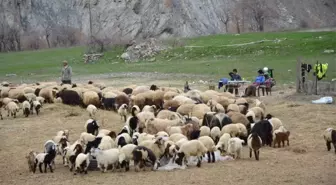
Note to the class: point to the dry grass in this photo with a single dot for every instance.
(306, 161)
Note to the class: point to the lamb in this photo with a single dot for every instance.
(37, 106)
(26, 108)
(254, 143)
(122, 111)
(43, 158)
(50, 147)
(82, 163)
(123, 139)
(31, 161)
(61, 148)
(92, 110)
(235, 147)
(215, 134)
(329, 136)
(106, 157)
(144, 156)
(210, 145)
(133, 123)
(191, 148)
(223, 142)
(281, 137)
(91, 126)
(72, 154)
(126, 155)
(12, 109)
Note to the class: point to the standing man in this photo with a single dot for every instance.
(66, 73)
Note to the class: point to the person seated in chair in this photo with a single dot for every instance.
(234, 75)
(260, 79)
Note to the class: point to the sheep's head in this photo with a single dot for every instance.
(159, 141)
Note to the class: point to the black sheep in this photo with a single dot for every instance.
(92, 127)
(108, 103)
(70, 97)
(264, 129)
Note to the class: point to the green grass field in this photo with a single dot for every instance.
(211, 57)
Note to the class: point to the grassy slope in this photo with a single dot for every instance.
(211, 59)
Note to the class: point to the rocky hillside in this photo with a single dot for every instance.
(69, 20)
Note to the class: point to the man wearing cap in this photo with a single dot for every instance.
(66, 73)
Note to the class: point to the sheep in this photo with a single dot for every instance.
(138, 138)
(30, 97)
(140, 89)
(199, 110)
(128, 91)
(91, 97)
(126, 155)
(180, 142)
(87, 137)
(280, 129)
(135, 109)
(183, 100)
(176, 137)
(171, 105)
(108, 103)
(205, 131)
(148, 108)
(185, 129)
(122, 111)
(123, 139)
(213, 119)
(281, 137)
(191, 148)
(156, 146)
(121, 99)
(17, 93)
(167, 114)
(37, 106)
(232, 108)
(50, 147)
(223, 142)
(63, 133)
(185, 109)
(215, 106)
(72, 153)
(62, 145)
(143, 117)
(210, 145)
(132, 124)
(48, 94)
(106, 158)
(92, 110)
(169, 95)
(250, 115)
(26, 108)
(215, 134)
(329, 136)
(106, 132)
(237, 117)
(276, 123)
(155, 125)
(260, 104)
(264, 129)
(254, 143)
(43, 158)
(231, 129)
(69, 97)
(235, 146)
(91, 126)
(12, 108)
(162, 134)
(31, 161)
(144, 156)
(259, 113)
(82, 163)
(107, 143)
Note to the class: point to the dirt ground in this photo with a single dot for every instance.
(306, 161)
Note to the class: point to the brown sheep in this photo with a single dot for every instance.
(238, 117)
(281, 137)
(121, 99)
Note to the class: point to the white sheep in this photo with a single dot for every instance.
(122, 111)
(205, 131)
(176, 137)
(149, 108)
(107, 143)
(12, 109)
(191, 148)
(276, 123)
(233, 108)
(142, 137)
(37, 106)
(30, 97)
(223, 143)
(40, 99)
(235, 147)
(210, 145)
(82, 163)
(106, 157)
(156, 125)
(86, 137)
(162, 134)
(156, 146)
(180, 142)
(135, 109)
(92, 110)
(105, 132)
(215, 134)
(126, 155)
(42, 158)
(231, 129)
(26, 108)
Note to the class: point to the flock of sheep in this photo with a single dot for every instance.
(160, 123)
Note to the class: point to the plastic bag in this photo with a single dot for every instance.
(323, 100)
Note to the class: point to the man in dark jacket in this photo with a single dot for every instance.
(234, 75)
(66, 73)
